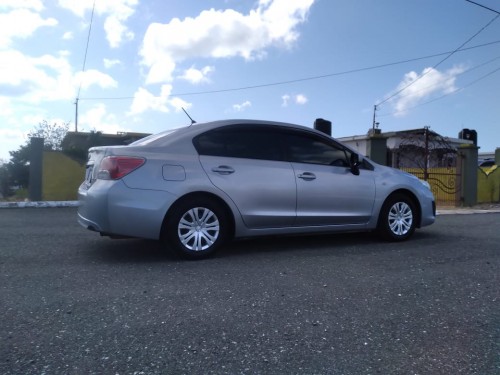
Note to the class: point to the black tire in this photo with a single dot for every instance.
(397, 220)
(196, 228)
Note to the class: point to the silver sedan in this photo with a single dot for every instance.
(196, 187)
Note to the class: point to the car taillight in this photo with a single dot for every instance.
(116, 167)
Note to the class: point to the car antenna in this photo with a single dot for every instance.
(187, 114)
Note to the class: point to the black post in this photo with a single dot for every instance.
(36, 162)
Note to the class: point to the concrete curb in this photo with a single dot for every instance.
(51, 204)
(45, 204)
(466, 211)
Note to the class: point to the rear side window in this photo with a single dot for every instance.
(241, 141)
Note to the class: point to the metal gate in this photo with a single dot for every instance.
(446, 183)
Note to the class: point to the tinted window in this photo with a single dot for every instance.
(305, 148)
(241, 141)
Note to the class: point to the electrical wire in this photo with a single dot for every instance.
(303, 79)
(436, 65)
(86, 50)
(457, 75)
(447, 94)
(485, 7)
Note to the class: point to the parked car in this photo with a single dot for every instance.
(486, 163)
(196, 187)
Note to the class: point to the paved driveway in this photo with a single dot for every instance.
(72, 302)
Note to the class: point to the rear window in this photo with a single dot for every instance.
(150, 139)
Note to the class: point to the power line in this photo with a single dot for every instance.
(436, 65)
(450, 93)
(376, 106)
(83, 67)
(485, 7)
(358, 70)
(457, 75)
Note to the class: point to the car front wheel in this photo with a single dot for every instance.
(397, 218)
(196, 228)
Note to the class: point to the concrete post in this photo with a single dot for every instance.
(36, 161)
(376, 148)
(469, 155)
(497, 156)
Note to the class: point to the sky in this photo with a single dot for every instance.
(132, 65)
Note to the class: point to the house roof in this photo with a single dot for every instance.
(402, 133)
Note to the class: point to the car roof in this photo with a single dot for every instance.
(172, 135)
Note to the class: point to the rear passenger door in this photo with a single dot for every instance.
(247, 163)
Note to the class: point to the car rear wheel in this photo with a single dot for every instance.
(196, 228)
(397, 218)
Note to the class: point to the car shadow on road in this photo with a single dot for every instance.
(145, 251)
(308, 245)
(130, 251)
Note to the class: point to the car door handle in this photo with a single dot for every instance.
(223, 169)
(308, 176)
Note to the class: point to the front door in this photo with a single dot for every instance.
(328, 193)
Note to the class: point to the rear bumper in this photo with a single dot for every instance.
(110, 207)
(90, 225)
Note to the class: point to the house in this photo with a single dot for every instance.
(413, 148)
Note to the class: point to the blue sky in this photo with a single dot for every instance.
(284, 60)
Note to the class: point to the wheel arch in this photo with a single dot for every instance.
(201, 195)
(412, 197)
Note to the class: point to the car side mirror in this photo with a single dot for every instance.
(354, 164)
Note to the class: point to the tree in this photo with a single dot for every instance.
(53, 134)
(424, 149)
(18, 168)
(5, 189)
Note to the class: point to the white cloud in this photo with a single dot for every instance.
(33, 78)
(20, 23)
(285, 99)
(116, 13)
(428, 84)
(108, 63)
(241, 107)
(221, 34)
(95, 78)
(97, 118)
(6, 106)
(24, 4)
(11, 134)
(116, 31)
(146, 101)
(196, 76)
(68, 35)
(299, 99)
(47, 77)
(178, 103)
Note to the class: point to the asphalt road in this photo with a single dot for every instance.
(72, 302)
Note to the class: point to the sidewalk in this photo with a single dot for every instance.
(484, 208)
(39, 204)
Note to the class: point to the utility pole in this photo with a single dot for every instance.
(374, 123)
(76, 115)
(426, 166)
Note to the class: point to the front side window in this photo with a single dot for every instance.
(306, 148)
